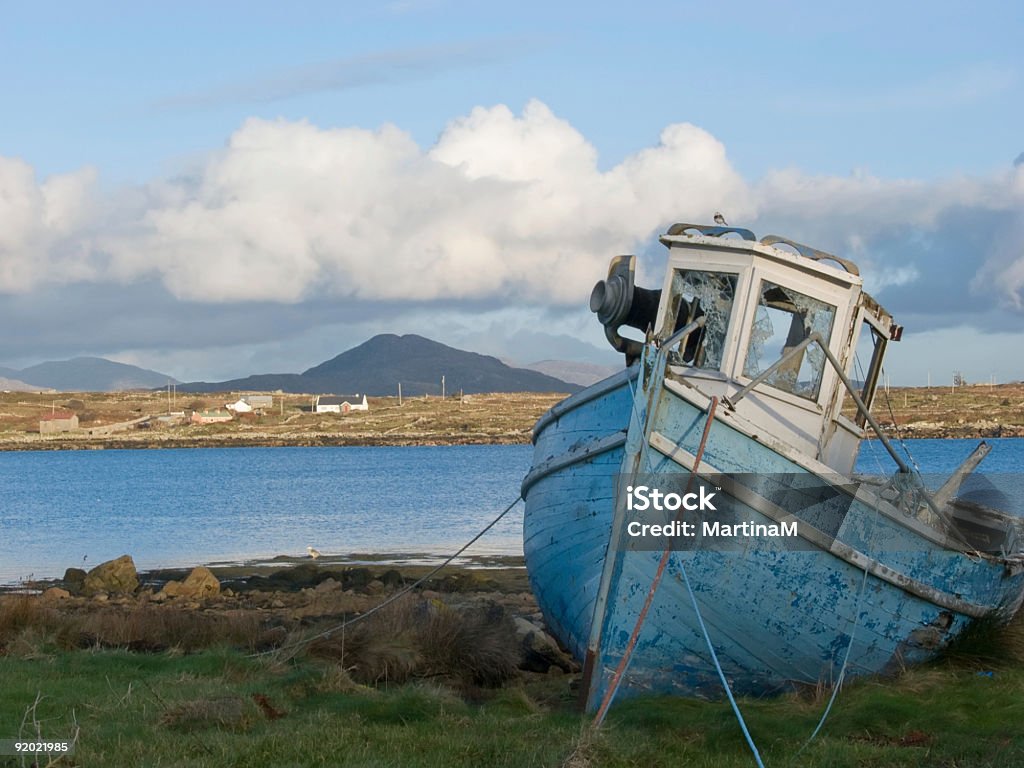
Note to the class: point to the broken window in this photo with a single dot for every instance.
(697, 294)
(869, 352)
(784, 318)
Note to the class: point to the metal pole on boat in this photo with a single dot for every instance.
(904, 467)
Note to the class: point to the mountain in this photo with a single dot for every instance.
(377, 366)
(573, 371)
(92, 374)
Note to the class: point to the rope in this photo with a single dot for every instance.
(400, 593)
(627, 655)
(721, 673)
(846, 660)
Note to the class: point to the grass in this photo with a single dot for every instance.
(422, 684)
(221, 708)
(455, 701)
(468, 649)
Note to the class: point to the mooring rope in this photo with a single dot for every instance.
(400, 593)
(721, 672)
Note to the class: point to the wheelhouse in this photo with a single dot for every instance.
(768, 310)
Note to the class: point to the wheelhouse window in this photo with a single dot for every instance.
(867, 365)
(785, 318)
(694, 294)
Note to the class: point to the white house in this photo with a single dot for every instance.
(239, 406)
(341, 403)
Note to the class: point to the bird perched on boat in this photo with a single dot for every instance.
(720, 220)
(315, 554)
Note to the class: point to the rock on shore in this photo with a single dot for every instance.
(112, 577)
(200, 583)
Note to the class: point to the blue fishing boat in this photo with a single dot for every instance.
(747, 387)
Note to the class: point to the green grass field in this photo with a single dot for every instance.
(222, 708)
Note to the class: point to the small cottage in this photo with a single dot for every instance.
(341, 403)
(210, 417)
(58, 421)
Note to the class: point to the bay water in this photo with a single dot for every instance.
(183, 507)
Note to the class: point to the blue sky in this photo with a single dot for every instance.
(129, 133)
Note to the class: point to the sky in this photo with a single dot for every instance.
(214, 190)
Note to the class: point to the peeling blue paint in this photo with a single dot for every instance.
(778, 619)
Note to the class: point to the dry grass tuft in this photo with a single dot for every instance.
(226, 712)
(151, 629)
(337, 680)
(27, 625)
(426, 639)
(19, 612)
(989, 641)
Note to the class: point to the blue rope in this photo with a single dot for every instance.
(842, 670)
(721, 674)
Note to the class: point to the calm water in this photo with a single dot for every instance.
(182, 507)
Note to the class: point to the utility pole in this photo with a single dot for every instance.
(399, 393)
(442, 386)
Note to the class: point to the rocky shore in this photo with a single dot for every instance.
(252, 440)
(269, 607)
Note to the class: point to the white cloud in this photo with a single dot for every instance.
(39, 225)
(504, 208)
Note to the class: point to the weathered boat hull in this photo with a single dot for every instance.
(569, 497)
(865, 586)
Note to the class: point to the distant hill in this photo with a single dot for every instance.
(574, 372)
(90, 374)
(17, 385)
(377, 366)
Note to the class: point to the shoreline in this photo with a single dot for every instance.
(960, 432)
(249, 574)
(247, 441)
